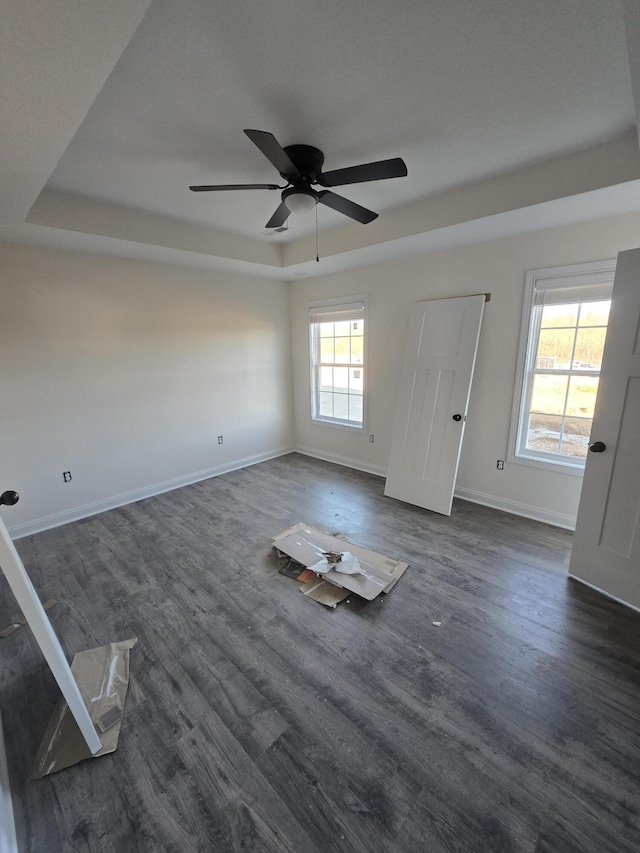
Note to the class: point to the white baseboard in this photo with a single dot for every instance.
(604, 592)
(86, 510)
(345, 461)
(8, 840)
(536, 513)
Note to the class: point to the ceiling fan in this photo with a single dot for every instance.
(301, 168)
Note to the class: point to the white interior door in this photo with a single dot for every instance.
(606, 549)
(432, 406)
(38, 621)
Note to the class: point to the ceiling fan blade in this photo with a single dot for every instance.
(273, 151)
(349, 208)
(207, 188)
(378, 171)
(279, 217)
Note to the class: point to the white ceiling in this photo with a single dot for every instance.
(465, 92)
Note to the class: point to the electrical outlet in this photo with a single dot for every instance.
(66, 475)
(371, 438)
(220, 439)
(500, 464)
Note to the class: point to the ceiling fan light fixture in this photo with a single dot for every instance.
(300, 201)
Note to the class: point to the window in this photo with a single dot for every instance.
(562, 341)
(337, 339)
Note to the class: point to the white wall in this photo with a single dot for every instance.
(497, 267)
(125, 373)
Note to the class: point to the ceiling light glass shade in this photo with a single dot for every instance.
(300, 202)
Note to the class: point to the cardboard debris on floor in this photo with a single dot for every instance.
(332, 568)
(20, 623)
(325, 593)
(290, 569)
(102, 676)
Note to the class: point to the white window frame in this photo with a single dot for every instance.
(577, 275)
(338, 301)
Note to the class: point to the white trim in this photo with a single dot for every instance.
(338, 300)
(556, 519)
(573, 274)
(546, 464)
(346, 311)
(345, 461)
(8, 840)
(604, 592)
(337, 424)
(86, 510)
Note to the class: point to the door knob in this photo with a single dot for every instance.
(597, 447)
(9, 498)
(457, 417)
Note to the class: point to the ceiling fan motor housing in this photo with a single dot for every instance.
(300, 197)
(307, 160)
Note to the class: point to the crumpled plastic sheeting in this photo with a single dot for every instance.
(102, 676)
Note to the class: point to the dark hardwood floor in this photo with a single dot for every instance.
(259, 720)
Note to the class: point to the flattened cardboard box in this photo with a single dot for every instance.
(306, 545)
(324, 592)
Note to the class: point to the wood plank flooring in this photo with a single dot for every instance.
(258, 720)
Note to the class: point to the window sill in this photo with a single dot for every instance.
(337, 424)
(552, 466)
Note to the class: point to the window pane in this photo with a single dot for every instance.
(357, 350)
(356, 380)
(341, 406)
(544, 433)
(355, 408)
(357, 327)
(595, 313)
(326, 350)
(343, 328)
(326, 330)
(559, 315)
(562, 357)
(582, 395)
(549, 394)
(343, 350)
(326, 379)
(326, 404)
(589, 348)
(341, 379)
(556, 344)
(575, 437)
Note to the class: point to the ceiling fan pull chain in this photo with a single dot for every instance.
(317, 255)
